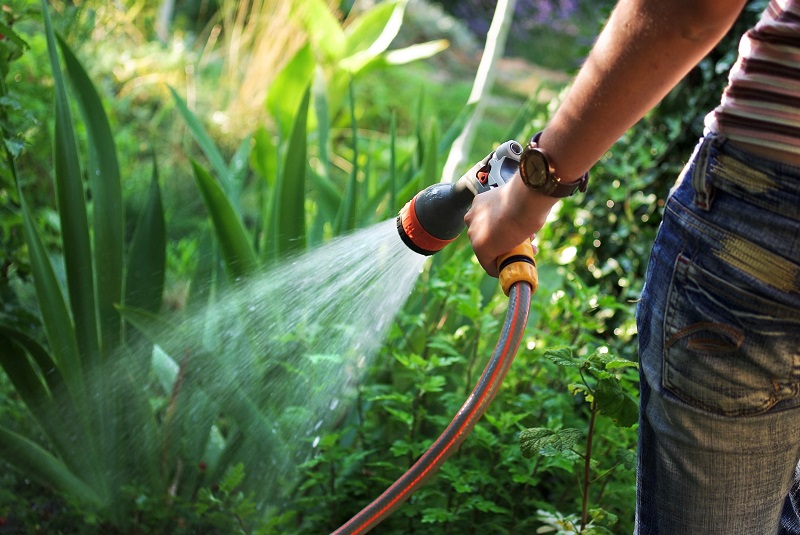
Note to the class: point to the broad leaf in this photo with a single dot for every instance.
(548, 442)
(562, 356)
(615, 403)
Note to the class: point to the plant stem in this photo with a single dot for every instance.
(587, 467)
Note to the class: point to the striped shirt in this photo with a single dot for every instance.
(761, 104)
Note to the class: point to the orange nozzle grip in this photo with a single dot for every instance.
(518, 265)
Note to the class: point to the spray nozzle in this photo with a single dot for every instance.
(435, 216)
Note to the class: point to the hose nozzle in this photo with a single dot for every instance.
(435, 216)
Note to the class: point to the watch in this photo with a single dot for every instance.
(538, 174)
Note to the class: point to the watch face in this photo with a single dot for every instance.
(535, 168)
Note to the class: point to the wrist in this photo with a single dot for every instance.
(538, 172)
(529, 208)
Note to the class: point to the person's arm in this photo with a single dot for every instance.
(645, 49)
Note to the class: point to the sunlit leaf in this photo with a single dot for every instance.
(415, 52)
(372, 33)
(323, 29)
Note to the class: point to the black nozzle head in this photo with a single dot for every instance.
(434, 217)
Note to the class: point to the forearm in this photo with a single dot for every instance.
(641, 54)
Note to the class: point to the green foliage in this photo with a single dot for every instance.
(83, 318)
(430, 363)
(57, 378)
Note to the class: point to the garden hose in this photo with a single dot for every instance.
(519, 299)
(426, 225)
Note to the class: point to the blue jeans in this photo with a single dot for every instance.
(719, 347)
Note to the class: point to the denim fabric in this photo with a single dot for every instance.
(719, 347)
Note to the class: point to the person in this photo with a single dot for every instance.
(719, 316)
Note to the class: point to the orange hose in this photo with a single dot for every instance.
(464, 421)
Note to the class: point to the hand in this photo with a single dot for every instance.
(504, 217)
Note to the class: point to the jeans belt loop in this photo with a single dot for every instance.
(700, 180)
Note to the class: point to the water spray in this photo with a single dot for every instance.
(433, 218)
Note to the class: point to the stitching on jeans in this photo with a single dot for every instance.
(735, 337)
(759, 263)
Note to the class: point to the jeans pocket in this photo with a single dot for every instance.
(727, 349)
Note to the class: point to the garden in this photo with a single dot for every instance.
(208, 322)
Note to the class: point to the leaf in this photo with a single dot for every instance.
(72, 211)
(147, 258)
(206, 144)
(290, 224)
(156, 329)
(401, 56)
(288, 90)
(107, 207)
(14, 361)
(34, 460)
(548, 442)
(415, 52)
(322, 27)
(618, 363)
(55, 315)
(345, 219)
(627, 458)
(562, 356)
(596, 530)
(371, 34)
(264, 158)
(615, 403)
(234, 242)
